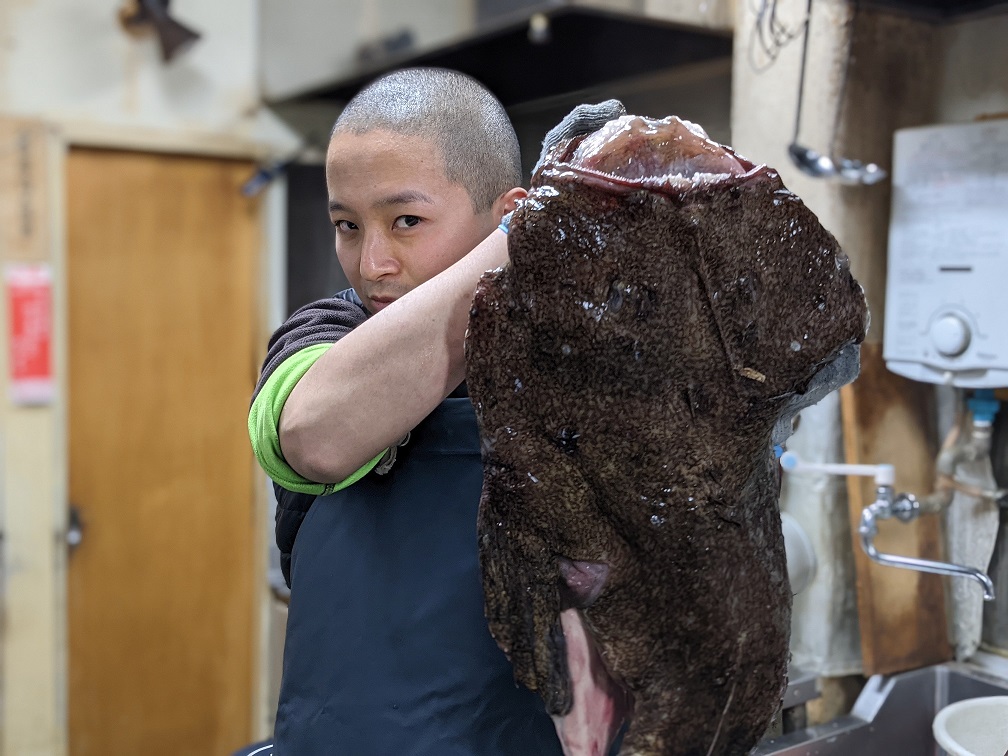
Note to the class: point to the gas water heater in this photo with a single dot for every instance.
(946, 315)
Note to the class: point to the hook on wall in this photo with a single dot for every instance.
(144, 15)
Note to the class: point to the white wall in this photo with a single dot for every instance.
(71, 62)
(905, 73)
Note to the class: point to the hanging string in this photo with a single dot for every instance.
(769, 35)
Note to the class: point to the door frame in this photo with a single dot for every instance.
(34, 470)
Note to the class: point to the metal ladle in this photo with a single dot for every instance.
(826, 166)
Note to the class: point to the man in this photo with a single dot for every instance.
(361, 404)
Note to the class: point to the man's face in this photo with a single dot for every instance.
(399, 220)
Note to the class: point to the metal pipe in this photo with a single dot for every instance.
(995, 616)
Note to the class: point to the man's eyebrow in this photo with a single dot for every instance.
(406, 197)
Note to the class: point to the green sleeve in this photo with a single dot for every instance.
(264, 423)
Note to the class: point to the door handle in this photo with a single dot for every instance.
(75, 528)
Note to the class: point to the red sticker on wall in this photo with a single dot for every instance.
(29, 323)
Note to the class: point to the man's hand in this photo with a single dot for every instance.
(584, 119)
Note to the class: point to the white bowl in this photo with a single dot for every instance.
(974, 727)
(801, 558)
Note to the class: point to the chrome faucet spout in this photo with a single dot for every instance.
(926, 565)
(905, 508)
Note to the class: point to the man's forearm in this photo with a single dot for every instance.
(379, 381)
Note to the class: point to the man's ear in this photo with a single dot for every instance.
(508, 202)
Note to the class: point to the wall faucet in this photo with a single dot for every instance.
(904, 507)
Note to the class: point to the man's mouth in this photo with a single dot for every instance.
(379, 303)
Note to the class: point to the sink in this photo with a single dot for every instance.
(893, 714)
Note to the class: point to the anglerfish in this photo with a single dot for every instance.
(668, 308)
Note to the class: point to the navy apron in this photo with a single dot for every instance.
(387, 649)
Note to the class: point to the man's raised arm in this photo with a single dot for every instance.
(381, 379)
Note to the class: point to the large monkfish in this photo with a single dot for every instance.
(668, 309)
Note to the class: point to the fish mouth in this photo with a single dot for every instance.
(667, 155)
(600, 703)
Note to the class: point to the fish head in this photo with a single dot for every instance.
(766, 292)
(635, 152)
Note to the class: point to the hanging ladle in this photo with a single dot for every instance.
(826, 166)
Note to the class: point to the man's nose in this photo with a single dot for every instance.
(377, 258)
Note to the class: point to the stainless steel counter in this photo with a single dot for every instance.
(893, 714)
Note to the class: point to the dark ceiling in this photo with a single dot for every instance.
(939, 9)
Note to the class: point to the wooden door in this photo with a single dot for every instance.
(162, 254)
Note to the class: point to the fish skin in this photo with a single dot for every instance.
(627, 370)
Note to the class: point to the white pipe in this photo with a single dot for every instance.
(884, 475)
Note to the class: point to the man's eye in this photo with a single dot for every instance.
(345, 225)
(406, 221)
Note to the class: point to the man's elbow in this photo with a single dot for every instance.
(311, 455)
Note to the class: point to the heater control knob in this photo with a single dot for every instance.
(950, 335)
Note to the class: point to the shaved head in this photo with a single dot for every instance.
(455, 113)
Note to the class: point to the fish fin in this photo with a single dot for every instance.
(522, 606)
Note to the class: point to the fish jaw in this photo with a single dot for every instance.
(631, 153)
